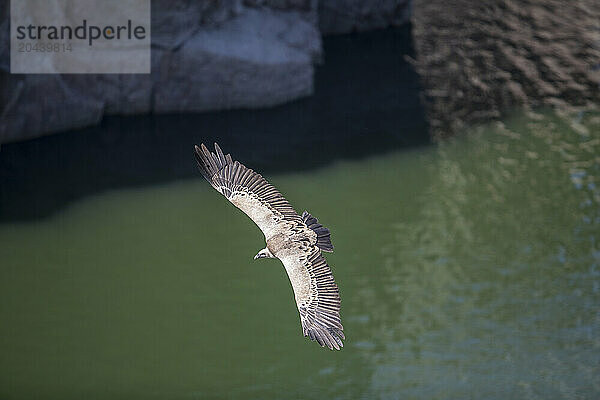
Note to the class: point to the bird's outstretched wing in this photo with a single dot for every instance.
(317, 295)
(247, 190)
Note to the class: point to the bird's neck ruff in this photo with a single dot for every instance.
(264, 253)
(267, 252)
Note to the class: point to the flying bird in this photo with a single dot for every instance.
(296, 240)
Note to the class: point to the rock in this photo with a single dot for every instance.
(4, 36)
(205, 56)
(174, 21)
(39, 104)
(259, 58)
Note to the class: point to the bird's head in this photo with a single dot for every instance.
(264, 253)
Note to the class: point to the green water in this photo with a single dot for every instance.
(467, 270)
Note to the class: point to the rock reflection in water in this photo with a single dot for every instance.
(494, 288)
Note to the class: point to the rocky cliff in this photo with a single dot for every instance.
(477, 60)
(206, 55)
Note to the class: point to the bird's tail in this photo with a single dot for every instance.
(323, 234)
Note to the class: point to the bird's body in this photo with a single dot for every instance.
(295, 240)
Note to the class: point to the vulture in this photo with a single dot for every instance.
(296, 240)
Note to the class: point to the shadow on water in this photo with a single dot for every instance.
(366, 102)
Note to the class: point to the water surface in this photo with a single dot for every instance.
(470, 269)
